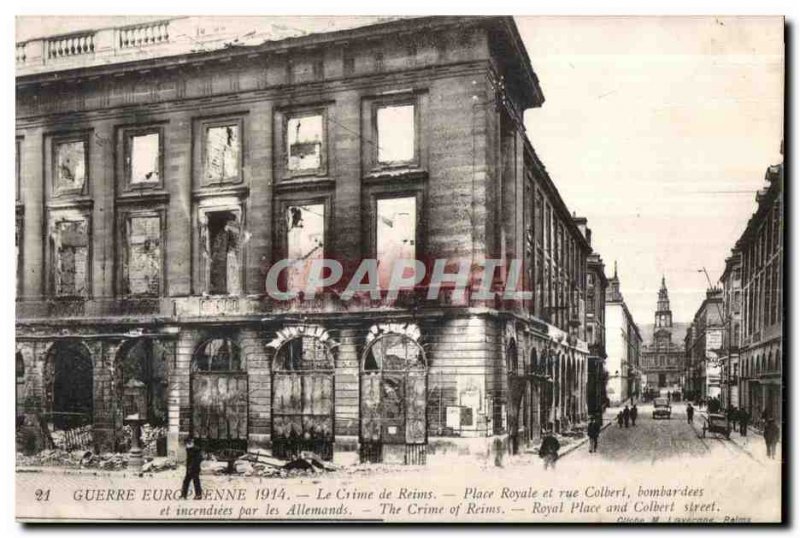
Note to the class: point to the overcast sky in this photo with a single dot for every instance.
(659, 130)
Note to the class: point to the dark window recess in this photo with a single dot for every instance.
(223, 239)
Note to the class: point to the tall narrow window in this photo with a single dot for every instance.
(305, 241)
(396, 134)
(144, 159)
(144, 256)
(71, 253)
(222, 244)
(70, 172)
(223, 153)
(396, 234)
(304, 143)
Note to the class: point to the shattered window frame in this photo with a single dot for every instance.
(125, 240)
(128, 146)
(384, 104)
(418, 221)
(56, 222)
(286, 161)
(58, 187)
(235, 176)
(235, 281)
(283, 228)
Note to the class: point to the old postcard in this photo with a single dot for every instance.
(400, 269)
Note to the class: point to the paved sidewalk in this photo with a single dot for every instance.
(753, 443)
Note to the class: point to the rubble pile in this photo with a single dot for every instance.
(86, 459)
(260, 463)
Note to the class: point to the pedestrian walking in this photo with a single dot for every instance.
(634, 414)
(619, 419)
(771, 437)
(733, 414)
(626, 415)
(194, 456)
(689, 413)
(594, 432)
(744, 419)
(549, 450)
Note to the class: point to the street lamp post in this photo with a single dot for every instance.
(727, 320)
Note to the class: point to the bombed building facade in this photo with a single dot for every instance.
(156, 189)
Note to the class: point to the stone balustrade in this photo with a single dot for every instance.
(70, 45)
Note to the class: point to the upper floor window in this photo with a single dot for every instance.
(143, 254)
(70, 170)
(70, 255)
(305, 241)
(305, 143)
(395, 234)
(221, 240)
(396, 133)
(143, 158)
(222, 148)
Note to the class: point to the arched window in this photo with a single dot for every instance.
(71, 386)
(393, 398)
(302, 398)
(217, 355)
(219, 395)
(143, 381)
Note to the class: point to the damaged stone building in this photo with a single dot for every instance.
(160, 177)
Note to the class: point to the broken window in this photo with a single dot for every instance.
(70, 169)
(222, 246)
(304, 143)
(71, 258)
(396, 234)
(144, 255)
(305, 241)
(144, 158)
(396, 133)
(223, 150)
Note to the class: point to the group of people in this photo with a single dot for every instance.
(627, 416)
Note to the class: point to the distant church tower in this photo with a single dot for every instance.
(663, 321)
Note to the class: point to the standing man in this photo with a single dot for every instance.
(634, 414)
(194, 456)
(689, 413)
(626, 415)
(549, 450)
(744, 419)
(771, 437)
(594, 432)
(732, 414)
